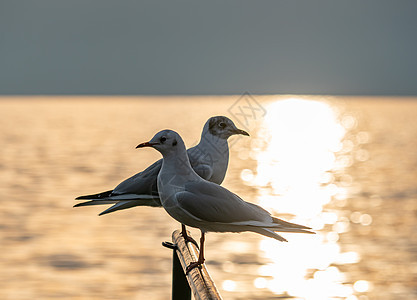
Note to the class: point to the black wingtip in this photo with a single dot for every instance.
(103, 213)
(83, 204)
(95, 196)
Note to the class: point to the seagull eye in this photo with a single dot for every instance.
(163, 139)
(222, 125)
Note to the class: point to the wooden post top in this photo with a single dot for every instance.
(201, 284)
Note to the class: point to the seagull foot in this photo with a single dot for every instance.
(189, 239)
(193, 265)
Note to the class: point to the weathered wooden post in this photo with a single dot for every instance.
(180, 288)
(197, 281)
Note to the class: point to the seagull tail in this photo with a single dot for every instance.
(288, 224)
(270, 233)
(294, 230)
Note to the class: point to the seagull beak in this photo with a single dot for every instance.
(240, 131)
(146, 144)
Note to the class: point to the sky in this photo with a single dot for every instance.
(192, 47)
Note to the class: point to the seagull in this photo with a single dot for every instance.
(198, 203)
(209, 159)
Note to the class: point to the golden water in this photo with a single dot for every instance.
(345, 166)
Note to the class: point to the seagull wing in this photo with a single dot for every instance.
(120, 205)
(204, 171)
(143, 183)
(212, 203)
(141, 186)
(138, 190)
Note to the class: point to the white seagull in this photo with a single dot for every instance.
(209, 160)
(196, 202)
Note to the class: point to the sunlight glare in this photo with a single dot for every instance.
(304, 142)
(229, 285)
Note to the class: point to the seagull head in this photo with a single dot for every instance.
(222, 127)
(165, 141)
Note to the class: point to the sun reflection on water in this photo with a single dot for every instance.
(298, 156)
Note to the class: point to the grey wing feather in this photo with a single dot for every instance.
(197, 157)
(204, 171)
(143, 183)
(213, 203)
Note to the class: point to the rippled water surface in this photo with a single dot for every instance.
(344, 166)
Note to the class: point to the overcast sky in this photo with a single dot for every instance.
(208, 47)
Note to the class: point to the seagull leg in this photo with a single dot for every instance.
(201, 259)
(186, 237)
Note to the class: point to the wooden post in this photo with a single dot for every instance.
(199, 280)
(180, 288)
